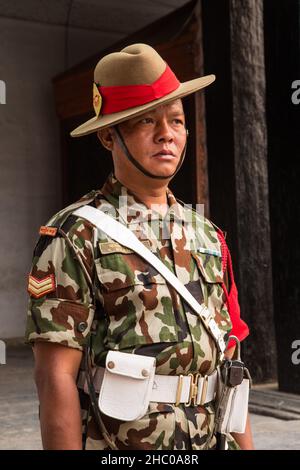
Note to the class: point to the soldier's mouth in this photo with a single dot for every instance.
(164, 155)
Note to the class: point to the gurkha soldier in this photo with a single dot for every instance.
(92, 296)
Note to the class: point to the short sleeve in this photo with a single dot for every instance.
(239, 327)
(60, 306)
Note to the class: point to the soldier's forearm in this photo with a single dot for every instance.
(245, 440)
(60, 416)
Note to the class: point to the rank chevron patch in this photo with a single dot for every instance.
(39, 287)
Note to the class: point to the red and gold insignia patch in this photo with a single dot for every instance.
(39, 287)
(97, 100)
(51, 231)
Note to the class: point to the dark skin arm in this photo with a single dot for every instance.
(56, 369)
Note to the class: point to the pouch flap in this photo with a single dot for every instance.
(129, 365)
(127, 385)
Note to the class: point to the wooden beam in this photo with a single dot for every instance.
(252, 203)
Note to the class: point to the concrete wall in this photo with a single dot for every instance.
(30, 178)
(33, 51)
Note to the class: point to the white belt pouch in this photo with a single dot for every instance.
(237, 410)
(127, 385)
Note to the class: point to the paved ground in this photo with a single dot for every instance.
(18, 402)
(19, 411)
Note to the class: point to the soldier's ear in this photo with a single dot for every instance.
(106, 138)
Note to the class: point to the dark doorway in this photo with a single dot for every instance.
(282, 52)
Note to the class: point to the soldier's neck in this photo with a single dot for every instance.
(150, 194)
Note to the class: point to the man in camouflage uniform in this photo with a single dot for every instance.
(88, 291)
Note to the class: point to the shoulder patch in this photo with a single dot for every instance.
(39, 287)
(51, 231)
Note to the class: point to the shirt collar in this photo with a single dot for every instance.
(132, 209)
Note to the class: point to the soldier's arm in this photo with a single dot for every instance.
(245, 440)
(60, 314)
(56, 369)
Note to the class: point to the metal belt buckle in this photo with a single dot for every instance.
(179, 389)
(204, 390)
(193, 390)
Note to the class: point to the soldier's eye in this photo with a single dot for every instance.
(146, 121)
(178, 121)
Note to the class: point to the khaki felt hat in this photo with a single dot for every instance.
(129, 83)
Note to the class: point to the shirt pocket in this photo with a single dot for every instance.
(136, 300)
(209, 266)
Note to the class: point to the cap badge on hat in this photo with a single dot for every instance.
(97, 99)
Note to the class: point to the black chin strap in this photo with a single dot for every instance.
(138, 165)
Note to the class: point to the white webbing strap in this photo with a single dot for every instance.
(165, 387)
(125, 237)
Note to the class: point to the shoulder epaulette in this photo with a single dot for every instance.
(56, 222)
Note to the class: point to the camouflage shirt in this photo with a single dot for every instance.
(128, 306)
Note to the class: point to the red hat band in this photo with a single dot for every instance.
(119, 98)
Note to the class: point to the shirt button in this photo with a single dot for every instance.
(145, 373)
(82, 326)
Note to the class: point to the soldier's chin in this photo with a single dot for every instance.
(166, 169)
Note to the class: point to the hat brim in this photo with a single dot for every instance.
(102, 121)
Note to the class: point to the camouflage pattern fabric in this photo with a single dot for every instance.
(130, 307)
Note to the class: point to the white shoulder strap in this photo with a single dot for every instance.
(125, 237)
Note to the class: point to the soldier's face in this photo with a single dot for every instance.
(156, 140)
